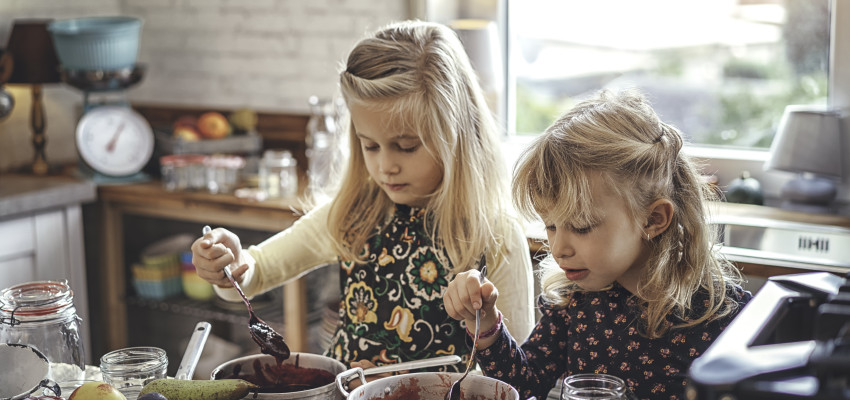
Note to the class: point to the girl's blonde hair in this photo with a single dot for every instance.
(618, 137)
(419, 75)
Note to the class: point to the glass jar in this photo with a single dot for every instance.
(223, 172)
(593, 387)
(42, 314)
(183, 172)
(322, 144)
(278, 174)
(130, 369)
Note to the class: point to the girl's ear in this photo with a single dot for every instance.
(659, 219)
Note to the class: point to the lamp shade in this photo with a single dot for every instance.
(33, 54)
(808, 140)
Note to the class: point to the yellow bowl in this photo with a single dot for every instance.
(196, 287)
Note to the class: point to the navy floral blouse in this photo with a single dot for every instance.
(597, 333)
(392, 306)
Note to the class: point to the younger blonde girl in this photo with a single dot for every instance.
(633, 287)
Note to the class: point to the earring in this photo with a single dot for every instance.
(647, 236)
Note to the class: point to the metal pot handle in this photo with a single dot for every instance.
(51, 385)
(342, 379)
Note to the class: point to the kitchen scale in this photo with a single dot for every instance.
(114, 142)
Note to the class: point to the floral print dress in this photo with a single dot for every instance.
(597, 333)
(392, 307)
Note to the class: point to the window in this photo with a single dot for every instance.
(721, 71)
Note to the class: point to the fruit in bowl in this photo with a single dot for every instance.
(187, 133)
(213, 125)
(186, 128)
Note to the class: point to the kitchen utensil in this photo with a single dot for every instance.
(354, 373)
(23, 370)
(454, 390)
(430, 386)
(270, 342)
(96, 43)
(263, 366)
(416, 364)
(193, 351)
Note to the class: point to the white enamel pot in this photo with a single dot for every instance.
(247, 366)
(424, 386)
(24, 370)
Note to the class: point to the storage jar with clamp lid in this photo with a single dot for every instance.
(42, 314)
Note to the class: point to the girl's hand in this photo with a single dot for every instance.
(365, 364)
(465, 295)
(215, 250)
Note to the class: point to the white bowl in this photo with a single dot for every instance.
(24, 371)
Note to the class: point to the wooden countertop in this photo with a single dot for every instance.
(196, 206)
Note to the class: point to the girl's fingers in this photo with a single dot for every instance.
(473, 293)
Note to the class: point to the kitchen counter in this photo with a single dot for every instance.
(20, 194)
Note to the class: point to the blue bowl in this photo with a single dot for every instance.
(96, 43)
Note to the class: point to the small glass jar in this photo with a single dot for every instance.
(183, 172)
(42, 314)
(130, 369)
(593, 387)
(278, 174)
(223, 172)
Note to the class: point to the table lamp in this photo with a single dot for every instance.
(808, 143)
(35, 63)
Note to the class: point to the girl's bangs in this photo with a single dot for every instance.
(566, 199)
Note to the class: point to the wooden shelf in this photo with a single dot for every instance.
(117, 202)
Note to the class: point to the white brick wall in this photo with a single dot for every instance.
(270, 55)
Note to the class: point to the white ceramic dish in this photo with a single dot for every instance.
(24, 371)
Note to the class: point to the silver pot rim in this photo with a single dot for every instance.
(309, 357)
(446, 377)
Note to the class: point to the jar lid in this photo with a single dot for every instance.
(35, 299)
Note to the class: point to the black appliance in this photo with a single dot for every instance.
(792, 341)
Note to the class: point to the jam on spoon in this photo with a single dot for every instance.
(270, 342)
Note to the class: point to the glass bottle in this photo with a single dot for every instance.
(278, 174)
(321, 143)
(42, 314)
(593, 386)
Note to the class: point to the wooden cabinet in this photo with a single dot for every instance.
(41, 235)
(117, 211)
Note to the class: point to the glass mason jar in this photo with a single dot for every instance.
(278, 174)
(130, 369)
(42, 314)
(322, 143)
(593, 387)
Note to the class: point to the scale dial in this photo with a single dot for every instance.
(114, 140)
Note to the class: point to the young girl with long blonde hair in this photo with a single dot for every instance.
(424, 197)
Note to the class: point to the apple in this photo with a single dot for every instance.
(185, 120)
(96, 391)
(213, 125)
(187, 133)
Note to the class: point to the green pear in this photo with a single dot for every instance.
(96, 391)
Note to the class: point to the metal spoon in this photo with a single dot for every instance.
(454, 390)
(270, 342)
